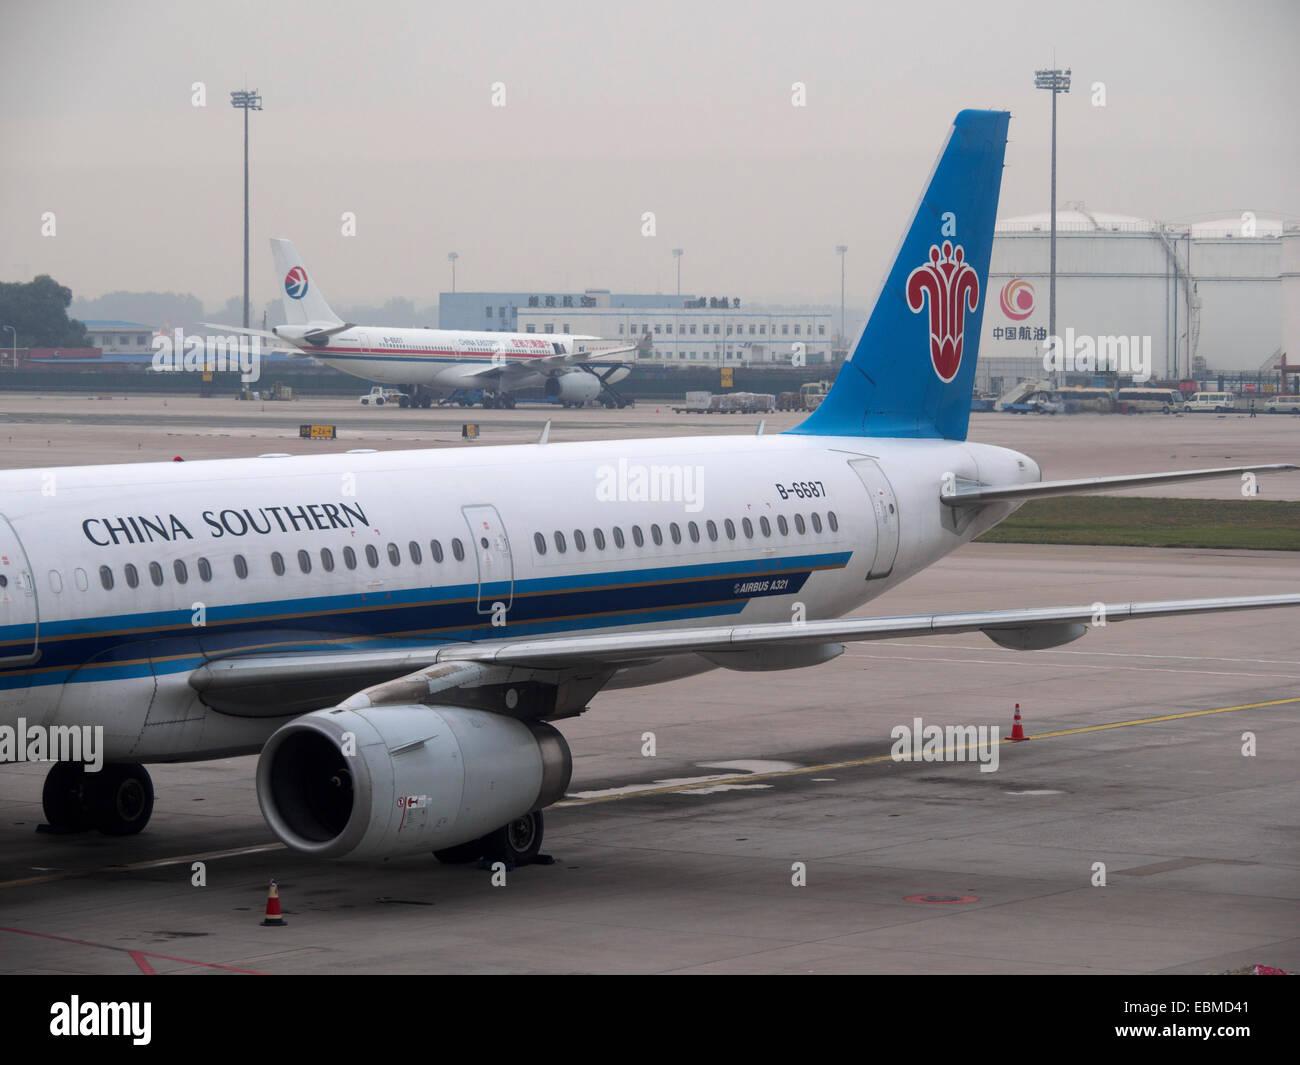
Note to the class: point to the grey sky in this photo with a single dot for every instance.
(680, 108)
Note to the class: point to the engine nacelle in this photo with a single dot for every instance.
(421, 778)
(576, 386)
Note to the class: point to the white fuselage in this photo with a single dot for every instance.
(140, 573)
(445, 360)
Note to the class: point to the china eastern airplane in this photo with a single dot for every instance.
(427, 364)
(398, 633)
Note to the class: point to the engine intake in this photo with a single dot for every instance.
(390, 780)
(576, 386)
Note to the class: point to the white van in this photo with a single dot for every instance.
(1213, 401)
(1283, 405)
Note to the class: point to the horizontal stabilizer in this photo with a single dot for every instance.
(965, 496)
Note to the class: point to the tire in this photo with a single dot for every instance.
(365, 401)
(122, 798)
(519, 842)
(64, 796)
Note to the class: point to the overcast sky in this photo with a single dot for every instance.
(611, 110)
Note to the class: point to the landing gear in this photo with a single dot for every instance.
(118, 800)
(517, 843)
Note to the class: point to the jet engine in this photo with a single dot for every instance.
(576, 386)
(391, 780)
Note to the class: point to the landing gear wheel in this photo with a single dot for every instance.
(518, 842)
(64, 797)
(121, 799)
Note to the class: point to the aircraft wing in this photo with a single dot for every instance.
(547, 364)
(279, 684)
(969, 494)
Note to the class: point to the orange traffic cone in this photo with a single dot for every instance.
(273, 917)
(1017, 730)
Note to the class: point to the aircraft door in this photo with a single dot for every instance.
(885, 507)
(19, 608)
(496, 568)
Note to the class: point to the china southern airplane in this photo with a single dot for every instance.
(397, 632)
(427, 364)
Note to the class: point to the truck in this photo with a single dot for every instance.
(379, 395)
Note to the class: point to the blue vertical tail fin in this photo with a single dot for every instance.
(913, 369)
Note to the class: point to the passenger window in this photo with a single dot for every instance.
(579, 541)
(539, 542)
(304, 561)
(56, 581)
(782, 525)
(241, 569)
(598, 538)
(413, 549)
(83, 582)
(349, 558)
(457, 549)
(799, 526)
(182, 574)
(435, 549)
(106, 578)
(637, 537)
(765, 525)
(748, 526)
(618, 537)
(205, 570)
(132, 575)
(277, 563)
(372, 556)
(674, 530)
(155, 574)
(832, 521)
(712, 527)
(560, 545)
(394, 555)
(730, 526)
(816, 522)
(327, 560)
(656, 534)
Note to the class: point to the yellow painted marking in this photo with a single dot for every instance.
(876, 759)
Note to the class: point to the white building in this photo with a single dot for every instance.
(704, 330)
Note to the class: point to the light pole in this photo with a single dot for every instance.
(246, 101)
(451, 258)
(677, 254)
(840, 249)
(15, 333)
(1056, 81)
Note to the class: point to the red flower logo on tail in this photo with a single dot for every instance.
(953, 288)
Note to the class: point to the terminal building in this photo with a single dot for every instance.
(674, 330)
(1122, 276)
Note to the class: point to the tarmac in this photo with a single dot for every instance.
(1148, 826)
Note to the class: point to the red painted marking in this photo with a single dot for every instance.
(137, 955)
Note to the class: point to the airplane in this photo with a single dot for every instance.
(428, 364)
(397, 634)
